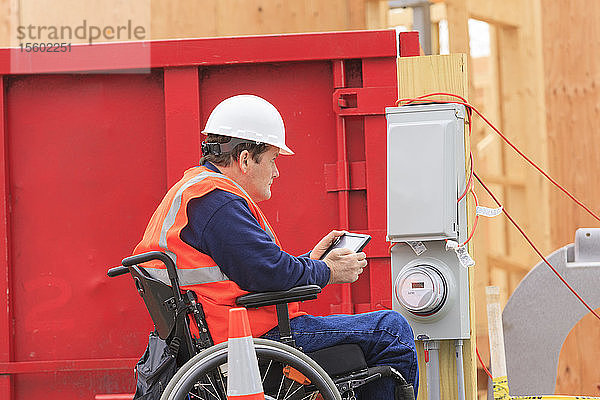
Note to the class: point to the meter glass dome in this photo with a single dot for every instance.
(421, 289)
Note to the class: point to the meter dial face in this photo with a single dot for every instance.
(421, 289)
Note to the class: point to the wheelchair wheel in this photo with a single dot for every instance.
(204, 377)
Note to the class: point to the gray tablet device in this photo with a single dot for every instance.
(353, 241)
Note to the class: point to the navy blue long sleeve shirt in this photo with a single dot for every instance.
(221, 225)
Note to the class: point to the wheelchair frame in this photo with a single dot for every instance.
(172, 310)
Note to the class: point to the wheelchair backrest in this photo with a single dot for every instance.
(158, 298)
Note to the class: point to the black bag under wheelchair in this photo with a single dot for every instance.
(178, 365)
(156, 368)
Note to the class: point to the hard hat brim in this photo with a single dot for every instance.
(285, 151)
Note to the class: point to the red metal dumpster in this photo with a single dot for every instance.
(91, 140)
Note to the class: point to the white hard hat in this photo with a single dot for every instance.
(248, 117)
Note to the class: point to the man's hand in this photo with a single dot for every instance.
(345, 265)
(324, 244)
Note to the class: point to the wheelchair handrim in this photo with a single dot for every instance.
(276, 350)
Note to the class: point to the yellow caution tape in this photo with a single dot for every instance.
(552, 397)
(501, 393)
(501, 388)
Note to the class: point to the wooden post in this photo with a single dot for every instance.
(418, 76)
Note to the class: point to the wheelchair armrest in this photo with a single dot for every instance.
(299, 293)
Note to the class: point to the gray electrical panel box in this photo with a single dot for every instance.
(426, 176)
(425, 152)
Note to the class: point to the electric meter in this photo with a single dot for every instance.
(421, 289)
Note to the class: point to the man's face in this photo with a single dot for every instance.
(260, 175)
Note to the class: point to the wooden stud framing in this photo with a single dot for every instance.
(571, 70)
(506, 12)
(166, 19)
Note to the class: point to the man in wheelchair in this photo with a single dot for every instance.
(210, 225)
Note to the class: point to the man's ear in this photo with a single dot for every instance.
(243, 161)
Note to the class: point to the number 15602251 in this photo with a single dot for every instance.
(45, 47)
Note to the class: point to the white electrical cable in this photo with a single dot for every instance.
(460, 373)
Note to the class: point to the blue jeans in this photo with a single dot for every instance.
(384, 336)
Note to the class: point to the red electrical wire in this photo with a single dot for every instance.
(535, 248)
(469, 106)
(469, 182)
(482, 364)
(390, 247)
(476, 219)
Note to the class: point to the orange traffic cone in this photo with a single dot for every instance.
(243, 377)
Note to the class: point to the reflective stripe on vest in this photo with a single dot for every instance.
(190, 276)
(197, 275)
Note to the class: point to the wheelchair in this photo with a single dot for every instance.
(286, 372)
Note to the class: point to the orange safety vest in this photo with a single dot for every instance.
(196, 270)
